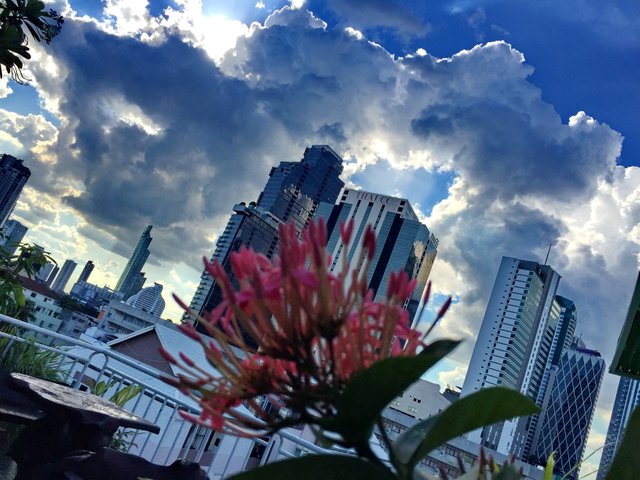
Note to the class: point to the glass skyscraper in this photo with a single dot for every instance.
(403, 242)
(132, 278)
(13, 176)
(627, 399)
(513, 344)
(63, 277)
(568, 413)
(292, 194)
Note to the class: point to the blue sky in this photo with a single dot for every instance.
(508, 125)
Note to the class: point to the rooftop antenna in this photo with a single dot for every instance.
(547, 257)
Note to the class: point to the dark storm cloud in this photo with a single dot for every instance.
(208, 154)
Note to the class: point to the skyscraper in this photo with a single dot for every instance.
(626, 360)
(292, 194)
(567, 414)
(508, 348)
(52, 276)
(13, 176)
(627, 399)
(13, 232)
(63, 277)
(403, 242)
(625, 363)
(132, 278)
(86, 271)
(559, 333)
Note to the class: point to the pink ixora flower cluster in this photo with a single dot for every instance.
(313, 330)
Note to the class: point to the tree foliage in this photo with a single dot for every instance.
(27, 261)
(17, 19)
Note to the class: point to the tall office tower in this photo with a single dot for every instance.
(560, 330)
(86, 271)
(52, 276)
(403, 242)
(13, 232)
(567, 415)
(626, 363)
(295, 189)
(45, 271)
(149, 299)
(292, 194)
(63, 277)
(13, 176)
(627, 399)
(132, 278)
(508, 348)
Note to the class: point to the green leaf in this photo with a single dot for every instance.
(485, 407)
(548, 470)
(319, 467)
(371, 390)
(626, 463)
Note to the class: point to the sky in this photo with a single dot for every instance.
(510, 126)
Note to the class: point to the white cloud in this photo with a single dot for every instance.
(453, 377)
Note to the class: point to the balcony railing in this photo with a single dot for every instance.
(82, 365)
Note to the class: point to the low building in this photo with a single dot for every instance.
(46, 309)
(421, 400)
(73, 324)
(123, 319)
(94, 295)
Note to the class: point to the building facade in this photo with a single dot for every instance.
(403, 242)
(63, 277)
(567, 414)
(132, 278)
(293, 193)
(13, 176)
(626, 361)
(94, 295)
(627, 399)
(122, 319)
(86, 271)
(513, 345)
(149, 299)
(12, 234)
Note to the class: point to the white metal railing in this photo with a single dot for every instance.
(82, 365)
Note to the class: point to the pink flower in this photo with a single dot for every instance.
(314, 330)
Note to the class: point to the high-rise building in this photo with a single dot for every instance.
(132, 278)
(292, 194)
(149, 299)
(295, 189)
(13, 176)
(52, 276)
(626, 360)
(403, 242)
(627, 399)
(513, 344)
(12, 234)
(63, 277)
(86, 271)
(626, 363)
(560, 330)
(568, 412)
(45, 271)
